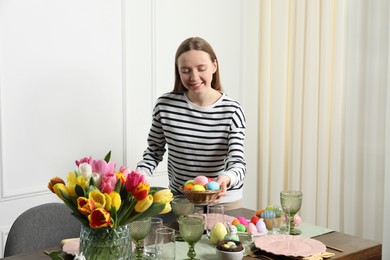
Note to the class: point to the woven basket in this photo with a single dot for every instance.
(201, 197)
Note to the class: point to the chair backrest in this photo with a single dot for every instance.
(40, 227)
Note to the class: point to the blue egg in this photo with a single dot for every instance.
(268, 214)
(212, 185)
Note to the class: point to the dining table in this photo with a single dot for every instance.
(342, 245)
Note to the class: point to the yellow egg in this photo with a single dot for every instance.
(198, 187)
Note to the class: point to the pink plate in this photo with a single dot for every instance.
(288, 245)
(71, 247)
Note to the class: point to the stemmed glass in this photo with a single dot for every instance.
(181, 206)
(291, 200)
(139, 229)
(191, 228)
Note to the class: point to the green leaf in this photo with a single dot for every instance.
(92, 182)
(79, 191)
(118, 187)
(55, 254)
(81, 218)
(153, 210)
(107, 157)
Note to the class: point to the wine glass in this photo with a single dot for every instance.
(181, 206)
(291, 200)
(191, 228)
(139, 229)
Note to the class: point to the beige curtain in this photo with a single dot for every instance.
(324, 111)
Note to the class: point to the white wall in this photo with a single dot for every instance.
(79, 78)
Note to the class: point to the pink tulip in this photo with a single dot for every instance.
(108, 182)
(133, 179)
(101, 167)
(84, 160)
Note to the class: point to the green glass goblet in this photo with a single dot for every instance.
(291, 200)
(191, 228)
(181, 206)
(139, 229)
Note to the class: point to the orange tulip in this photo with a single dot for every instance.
(85, 206)
(99, 218)
(53, 182)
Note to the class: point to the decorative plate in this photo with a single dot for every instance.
(71, 247)
(288, 245)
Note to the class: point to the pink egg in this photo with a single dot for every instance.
(243, 220)
(297, 220)
(202, 180)
(260, 225)
(251, 228)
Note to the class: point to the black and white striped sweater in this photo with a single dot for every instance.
(205, 141)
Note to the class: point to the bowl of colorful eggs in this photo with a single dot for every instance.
(248, 229)
(201, 190)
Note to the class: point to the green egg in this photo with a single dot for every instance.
(241, 228)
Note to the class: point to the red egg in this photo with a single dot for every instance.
(254, 219)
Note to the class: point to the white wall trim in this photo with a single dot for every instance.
(4, 230)
(10, 196)
(153, 51)
(124, 83)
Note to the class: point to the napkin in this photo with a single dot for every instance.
(253, 251)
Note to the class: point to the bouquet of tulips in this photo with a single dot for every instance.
(101, 197)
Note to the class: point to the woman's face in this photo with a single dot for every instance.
(196, 70)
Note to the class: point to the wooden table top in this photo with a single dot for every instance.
(353, 247)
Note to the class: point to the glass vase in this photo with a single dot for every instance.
(106, 243)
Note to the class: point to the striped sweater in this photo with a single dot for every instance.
(205, 141)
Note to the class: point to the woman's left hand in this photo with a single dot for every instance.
(224, 182)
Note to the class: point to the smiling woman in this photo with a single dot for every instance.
(201, 126)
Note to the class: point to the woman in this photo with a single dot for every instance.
(202, 127)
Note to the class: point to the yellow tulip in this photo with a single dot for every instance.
(113, 200)
(163, 196)
(98, 198)
(144, 204)
(167, 208)
(72, 181)
(108, 201)
(82, 182)
(61, 190)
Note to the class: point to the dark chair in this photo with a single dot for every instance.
(40, 227)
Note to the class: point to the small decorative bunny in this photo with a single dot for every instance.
(232, 232)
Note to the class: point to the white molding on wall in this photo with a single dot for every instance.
(13, 196)
(153, 50)
(124, 82)
(4, 230)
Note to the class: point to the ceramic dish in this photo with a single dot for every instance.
(288, 245)
(71, 246)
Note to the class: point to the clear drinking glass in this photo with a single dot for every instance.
(215, 213)
(165, 244)
(150, 239)
(281, 225)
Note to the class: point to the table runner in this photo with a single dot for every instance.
(206, 250)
